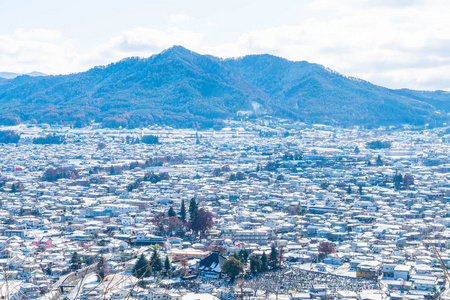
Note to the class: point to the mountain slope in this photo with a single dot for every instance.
(179, 87)
(316, 94)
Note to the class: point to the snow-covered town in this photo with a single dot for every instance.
(257, 210)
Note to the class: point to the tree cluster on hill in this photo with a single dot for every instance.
(408, 180)
(219, 171)
(17, 187)
(292, 156)
(159, 161)
(379, 144)
(200, 220)
(203, 222)
(115, 170)
(144, 267)
(76, 261)
(49, 139)
(150, 139)
(153, 178)
(402, 182)
(9, 121)
(101, 146)
(151, 162)
(325, 248)
(296, 210)
(258, 263)
(53, 174)
(8, 136)
(114, 122)
(267, 133)
(132, 140)
(272, 166)
(168, 224)
(237, 176)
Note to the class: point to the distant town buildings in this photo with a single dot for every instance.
(383, 212)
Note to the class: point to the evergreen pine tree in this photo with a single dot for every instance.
(398, 179)
(167, 265)
(255, 264)
(379, 161)
(171, 212)
(141, 268)
(264, 264)
(156, 262)
(193, 210)
(76, 261)
(102, 268)
(183, 211)
(232, 267)
(273, 259)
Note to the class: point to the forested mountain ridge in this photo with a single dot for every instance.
(181, 88)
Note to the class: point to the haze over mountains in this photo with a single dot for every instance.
(11, 75)
(181, 88)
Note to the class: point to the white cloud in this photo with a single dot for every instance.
(396, 47)
(41, 50)
(179, 18)
(37, 34)
(48, 51)
(397, 43)
(141, 42)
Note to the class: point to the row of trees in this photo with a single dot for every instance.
(151, 162)
(144, 267)
(402, 181)
(150, 139)
(219, 171)
(173, 119)
(296, 210)
(235, 265)
(153, 178)
(49, 139)
(200, 220)
(233, 176)
(8, 136)
(146, 139)
(379, 144)
(17, 187)
(53, 174)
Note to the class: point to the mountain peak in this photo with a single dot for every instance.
(177, 50)
(181, 88)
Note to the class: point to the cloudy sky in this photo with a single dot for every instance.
(394, 43)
